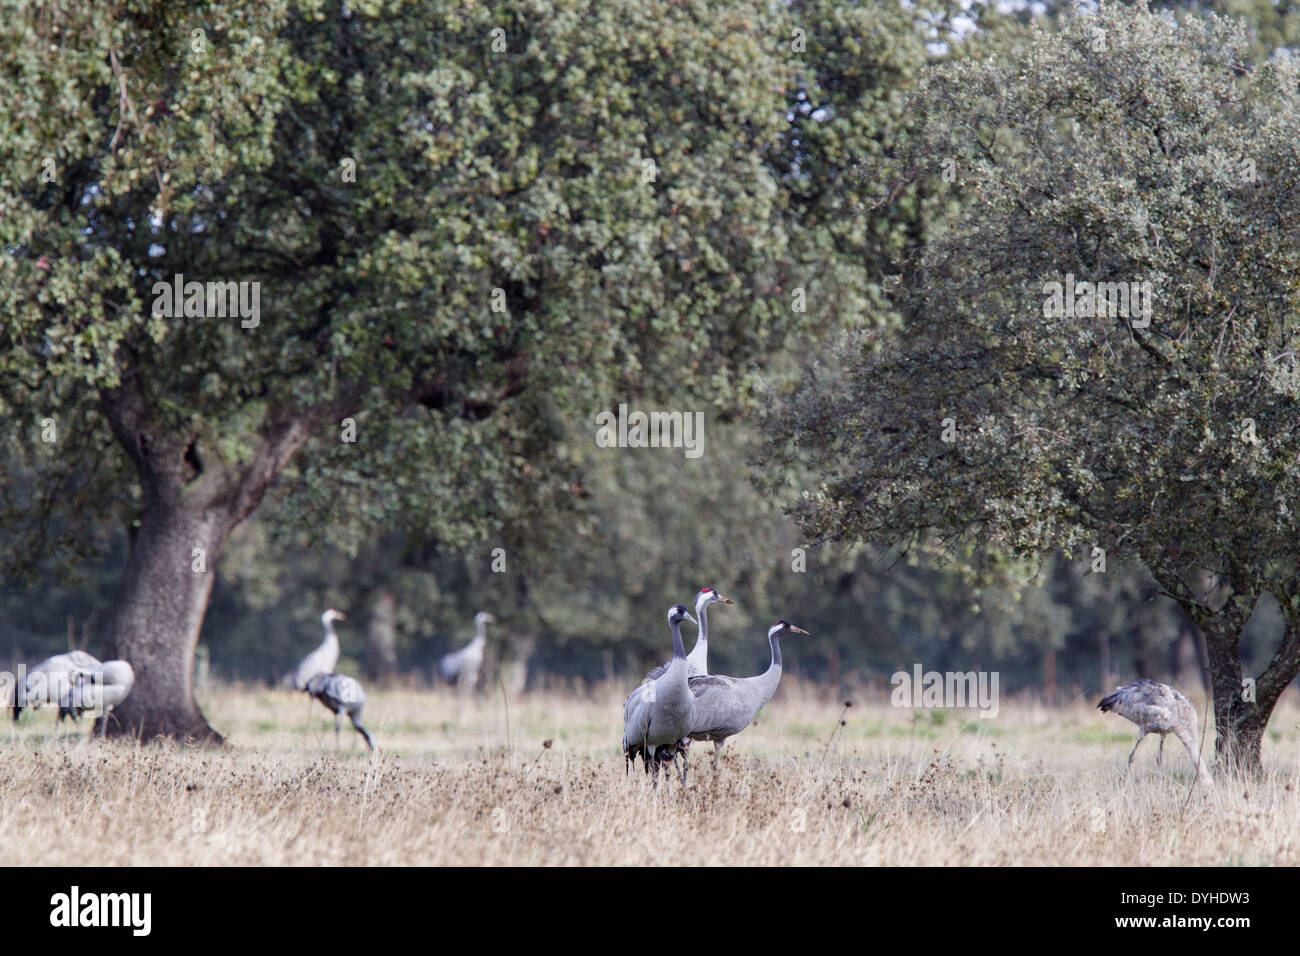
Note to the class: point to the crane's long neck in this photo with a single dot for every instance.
(480, 630)
(699, 657)
(771, 677)
(331, 638)
(1189, 741)
(678, 649)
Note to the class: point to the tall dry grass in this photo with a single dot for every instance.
(463, 781)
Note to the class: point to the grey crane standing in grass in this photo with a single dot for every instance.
(1158, 708)
(461, 667)
(724, 706)
(697, 664)
(48, 681)
(342, 695)
(659, 713)
(697, 661)
(325, 658)
(99, 688)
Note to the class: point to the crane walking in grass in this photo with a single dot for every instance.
(724, 706)
(461, 667)
(48, 682)
(1158, 708)
(659, 713)
(341, 695)
(324, 659)
(99, 688)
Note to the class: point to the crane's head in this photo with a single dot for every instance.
(332, 615)
(782, 627)
(709, 596)
(678, 613)
(483, 617)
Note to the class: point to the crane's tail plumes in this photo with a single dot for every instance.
(1108, 702)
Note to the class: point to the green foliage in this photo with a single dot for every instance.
(612, 177)
(1124, 148)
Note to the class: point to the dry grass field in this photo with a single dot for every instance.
(460, 781)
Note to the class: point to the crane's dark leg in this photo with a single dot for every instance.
(717, 752)
(1161, 752)
(356, 722)
(338, 721)
(1141, 733)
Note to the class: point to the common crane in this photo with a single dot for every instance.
(99, 688)
(325, 658)
(724, 706)
(461, 667)
(342, 695)
(1158, 708)
(659, 713)
(48, 681)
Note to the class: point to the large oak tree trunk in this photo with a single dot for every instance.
(1242, 707)
(158, 616)
(1239, 731)
(190, 503)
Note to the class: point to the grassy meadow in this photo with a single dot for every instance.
(469, 780)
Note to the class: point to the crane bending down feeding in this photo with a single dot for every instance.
(48, 681)
(342, 695)
(104, 687)
(461, 667)
(325, 658)
(724, 706)
(1158, 708)
(659, 713)
(697, 661)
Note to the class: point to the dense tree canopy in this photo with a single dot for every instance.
(1124, 149)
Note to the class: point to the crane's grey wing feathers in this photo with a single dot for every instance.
(1151, 705)
(702, 684)
(692, 671)
(636, 721)
(338, 692)
(724, 706)
(657, 672)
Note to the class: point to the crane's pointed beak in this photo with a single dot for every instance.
(798, 630)
(722, 600)
(339, 615)
(692, 620)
